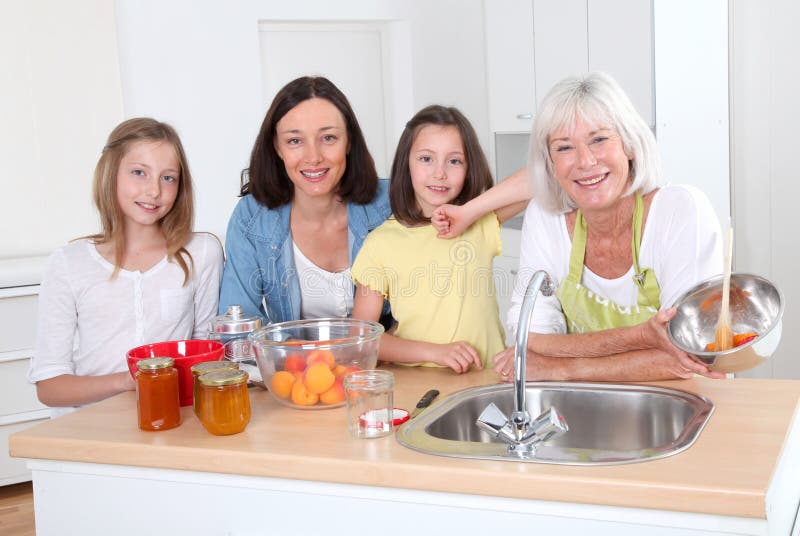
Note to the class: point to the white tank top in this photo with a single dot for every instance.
(322, 293)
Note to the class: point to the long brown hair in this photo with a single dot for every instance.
(176, 225)
(266, 178)
(401, 189)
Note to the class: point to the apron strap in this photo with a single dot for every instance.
(578, 252)
(645, 280)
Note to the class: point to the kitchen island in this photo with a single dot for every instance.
(299, 472)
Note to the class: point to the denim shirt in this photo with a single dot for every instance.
(260, 259)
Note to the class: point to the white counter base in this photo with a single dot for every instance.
(86, 499)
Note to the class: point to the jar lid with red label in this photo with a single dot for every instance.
(376, 418)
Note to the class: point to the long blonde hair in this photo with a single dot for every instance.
(176, 225)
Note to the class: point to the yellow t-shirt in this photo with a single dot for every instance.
(441, 291)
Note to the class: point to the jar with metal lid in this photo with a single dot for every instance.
(234, 324)
(223, 401)
(205, 367)
(157, 394)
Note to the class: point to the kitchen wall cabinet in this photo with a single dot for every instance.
(510, 65)
(532, 44)
(19, 406)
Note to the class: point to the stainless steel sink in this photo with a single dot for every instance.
(608, 423)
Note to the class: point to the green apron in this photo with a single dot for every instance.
(586, 311)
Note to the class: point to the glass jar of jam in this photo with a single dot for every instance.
(205, 367)
(223, 402)
(157, 398)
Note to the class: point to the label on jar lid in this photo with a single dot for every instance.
(223, 377)
(208, 366)
(154, 363)
(378, 418)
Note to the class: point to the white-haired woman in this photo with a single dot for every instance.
(621, 244)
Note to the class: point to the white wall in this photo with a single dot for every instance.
(691, 89)
(60, 96)
(765, 84)
(196, 65)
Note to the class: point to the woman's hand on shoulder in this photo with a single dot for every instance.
(459, 356)
(451, 220)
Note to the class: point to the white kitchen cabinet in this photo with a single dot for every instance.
(532, 44)
(620, 42)
(19, 406)
(510, 65)
(560, 42)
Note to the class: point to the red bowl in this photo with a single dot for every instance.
(185, 353)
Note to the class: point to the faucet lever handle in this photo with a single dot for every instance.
(547, 425)
(492, 420)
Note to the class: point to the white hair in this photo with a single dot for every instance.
(598, 99)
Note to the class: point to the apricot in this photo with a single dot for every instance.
(321, 356)
(281, 383)
(339, 370)
(302, 396)
(318, 378)
(335, 394)
(295, 363)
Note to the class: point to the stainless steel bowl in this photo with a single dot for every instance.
(755, 305)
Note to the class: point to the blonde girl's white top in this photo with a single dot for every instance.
(87, 322)
(681, 242)
(323, 294)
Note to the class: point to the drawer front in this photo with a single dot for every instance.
(18, 318)
(13, 470)
(16, 394)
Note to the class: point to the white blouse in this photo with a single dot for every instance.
(323, 294)
(88, 322)
(681, 242)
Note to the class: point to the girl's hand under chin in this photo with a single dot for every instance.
(441, 221)
(450, 220)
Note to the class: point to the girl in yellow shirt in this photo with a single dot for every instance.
(441, 291)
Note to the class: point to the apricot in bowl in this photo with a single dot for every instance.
(303, 362)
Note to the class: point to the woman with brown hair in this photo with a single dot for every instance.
(309, 198)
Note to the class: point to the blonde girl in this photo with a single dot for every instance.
(441, 292)
(145, 277)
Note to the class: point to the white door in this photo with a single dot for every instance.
(351, 55)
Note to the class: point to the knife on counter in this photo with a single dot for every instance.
(424, 402)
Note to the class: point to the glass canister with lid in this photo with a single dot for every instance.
(223, 401)
(234, 324)
(232, 329)
(157, 394)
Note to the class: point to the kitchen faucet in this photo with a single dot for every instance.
(520, 431)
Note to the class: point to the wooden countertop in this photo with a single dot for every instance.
(727, 471)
